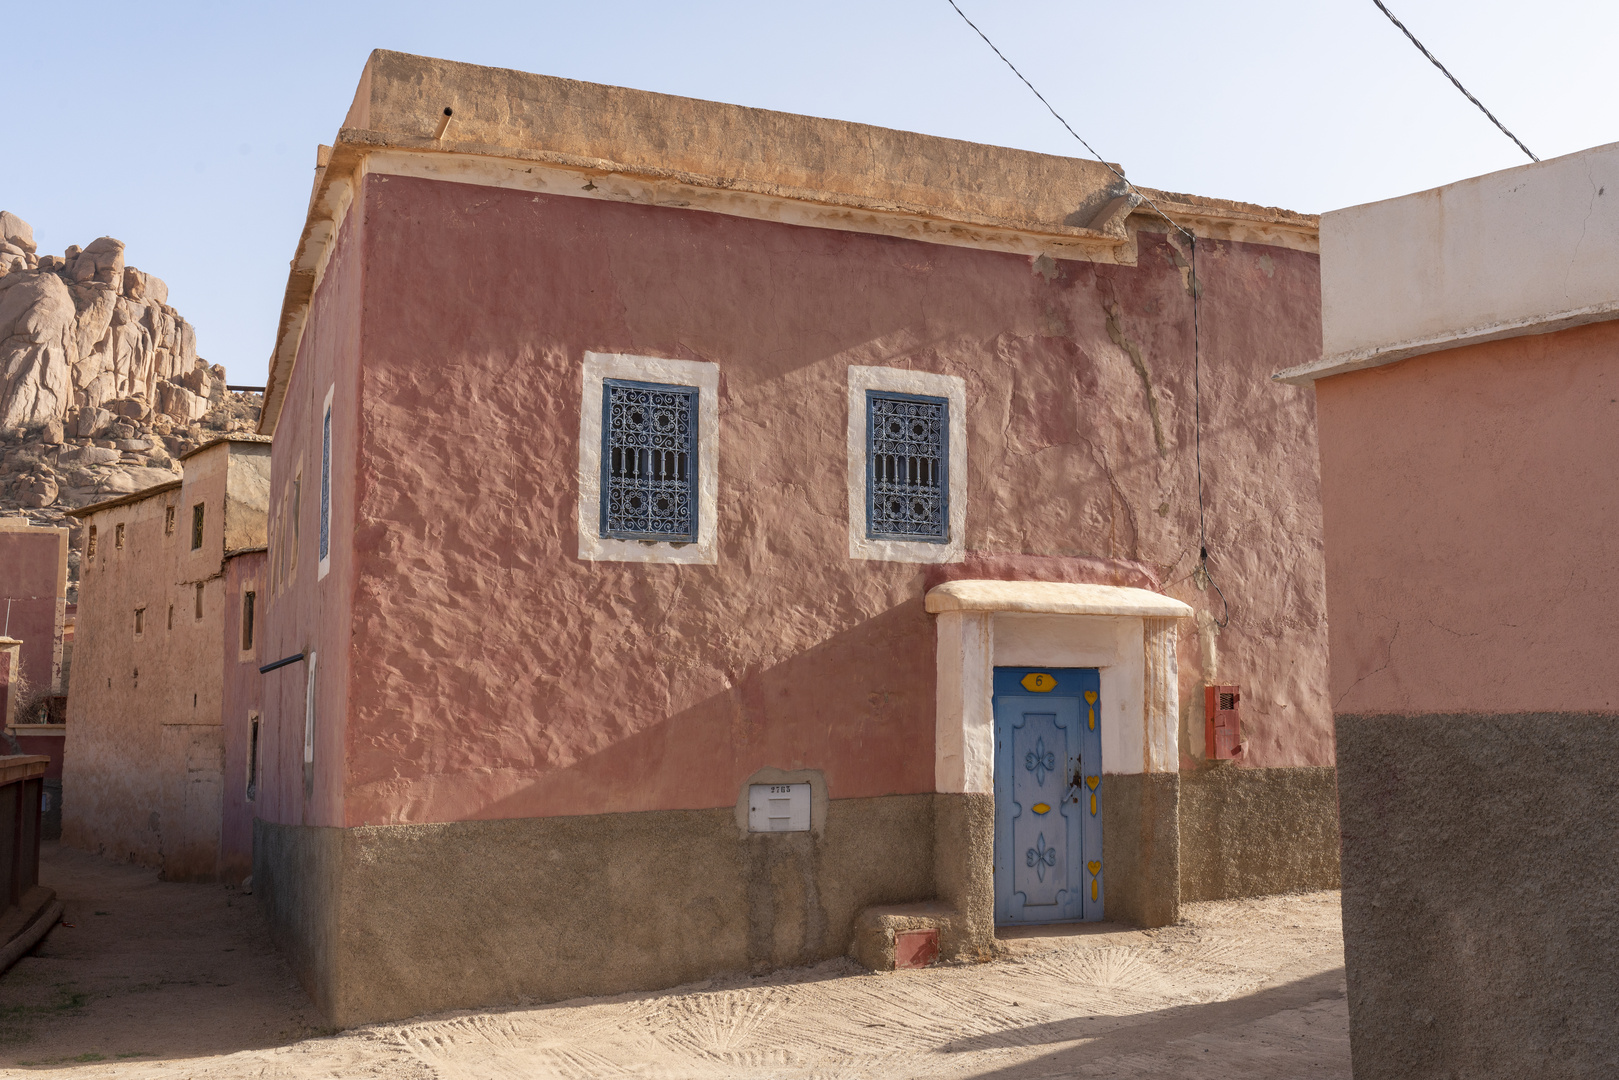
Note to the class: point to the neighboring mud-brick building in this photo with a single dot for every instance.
(241, 710)
(158, 645)
(671, 499)
(1468, 395)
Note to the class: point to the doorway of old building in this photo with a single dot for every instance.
(1048, 815)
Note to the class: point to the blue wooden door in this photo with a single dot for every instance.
(1048, 773)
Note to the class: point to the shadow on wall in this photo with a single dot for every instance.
(778, 715)
(859, 706)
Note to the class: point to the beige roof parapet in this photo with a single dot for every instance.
(1054, 598)
(432, 117)
(123, 500)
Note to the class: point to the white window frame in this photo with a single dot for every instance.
(705, 376)
(924, 384)
(309, 711)
(323, 537)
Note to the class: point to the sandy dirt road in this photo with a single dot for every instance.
(162, 980)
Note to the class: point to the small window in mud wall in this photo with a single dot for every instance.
(168, 521)
(196, 526)
(252, 756)
(248, 603)
(199, 601)
(171, 616)
(118, 536)
(325, 548)
(90, 543)
(140, 621)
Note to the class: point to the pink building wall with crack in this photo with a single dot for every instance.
(493, 674)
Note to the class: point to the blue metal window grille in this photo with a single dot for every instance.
(907, 467)
(326, 484)
(649, 461)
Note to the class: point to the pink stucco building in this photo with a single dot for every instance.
(1468, 397)
(34, 643)
(692, 527)
(33, 606)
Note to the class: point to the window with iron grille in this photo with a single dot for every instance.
(649, 461)
(907, 467)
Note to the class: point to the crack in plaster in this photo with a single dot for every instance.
(1116, 498)
(1116, 333)
(1589, 208)
(1448, 630)
(1388, 659)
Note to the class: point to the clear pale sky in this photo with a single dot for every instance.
(189, 130)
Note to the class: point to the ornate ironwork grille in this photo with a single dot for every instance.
(649, 461)
(907, 467)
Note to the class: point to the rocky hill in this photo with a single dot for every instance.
(101, 388)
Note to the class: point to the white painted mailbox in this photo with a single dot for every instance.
(779, 808)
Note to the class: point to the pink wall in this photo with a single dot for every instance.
(496, 675)
(305, 614)
(1472, 502)
(242, 699)
(33, 591)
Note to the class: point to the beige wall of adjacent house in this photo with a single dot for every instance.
(122, 681)
(145, 743)
(1473, 258)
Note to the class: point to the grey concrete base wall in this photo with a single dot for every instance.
(964, 873)
(296, 872)
(1481, 894)
(1249, 832)
(1141, 848)
(387, 922)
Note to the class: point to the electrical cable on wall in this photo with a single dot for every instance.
(1201, 575)
(1458, 83)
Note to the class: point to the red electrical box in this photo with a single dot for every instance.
(1222, 733)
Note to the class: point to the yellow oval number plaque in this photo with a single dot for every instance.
(1039, 682)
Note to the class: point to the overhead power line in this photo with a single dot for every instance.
(1202, 574)
(1458, 83)
(1066, 124)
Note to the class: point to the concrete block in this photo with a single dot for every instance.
(894, 936)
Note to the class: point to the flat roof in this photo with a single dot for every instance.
(234, 437)
(1526, 250)
(420, 116)
(124, 500)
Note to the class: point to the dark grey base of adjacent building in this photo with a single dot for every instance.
(392, 921)
(1481, 894)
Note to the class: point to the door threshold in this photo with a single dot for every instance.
(1059, 929)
